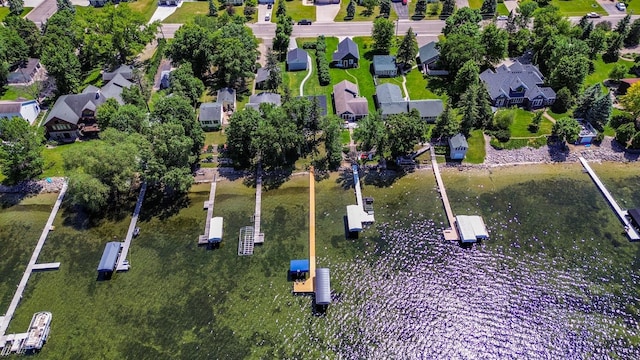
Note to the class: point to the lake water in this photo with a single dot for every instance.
(557, 279)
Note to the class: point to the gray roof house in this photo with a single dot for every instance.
(27, 110)
(385, 65)
(348, 105)
(262, 75)
(297, 60)
(210, 115)
(126, 71)
(74, 115)
(428, 56)
(265, 97)
(25, 73)
(517, 85)
(389, 101)
(227, 97)
(458, 147)
(347, 55)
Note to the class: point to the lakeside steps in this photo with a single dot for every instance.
(623, 215)
(463, 228)
(16, 342)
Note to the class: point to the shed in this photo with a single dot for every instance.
(297, 60)
(215, 230)
(298, 267)
(323, 287)
(109, 257)
(354, 218)
(587, 133)
(471, 228)
(385, 65)
(458, 147)
(634, 214)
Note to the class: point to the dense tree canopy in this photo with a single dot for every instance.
(184, 83)
(566, 129)
(382, 33)
(21, 148)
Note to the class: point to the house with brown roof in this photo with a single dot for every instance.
(348, 104)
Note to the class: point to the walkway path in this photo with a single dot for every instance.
(452, 232)
(622, 214)
(123, 263)
(307, 286)
(258, 237)
(204, 239)
(310, 66)
(6, 319)
(511, 5)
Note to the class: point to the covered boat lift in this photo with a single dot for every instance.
(323, 287)
(471, 228)
(215, 230)
(109, 257)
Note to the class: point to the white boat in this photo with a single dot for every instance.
(38, 331)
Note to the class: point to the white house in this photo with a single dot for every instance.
(28, 110)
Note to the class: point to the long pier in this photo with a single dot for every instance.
(307, 286)
(6, 319)
(258, 237)
(622, 214)
(123, 263)
(450, 233)
(204, 239)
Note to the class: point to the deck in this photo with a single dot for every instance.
(450, 233)
(46, 266)
(631, 231)
(307, 286)
(123, 263)
(204, 239)
(258, 237)
(6, 319)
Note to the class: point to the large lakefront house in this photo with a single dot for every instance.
(518, 85)
(348, 104)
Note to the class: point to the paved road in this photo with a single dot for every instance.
(40, 14)
(610, 7)
(401, 10)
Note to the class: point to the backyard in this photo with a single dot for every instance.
(578, 7)
(476, 152)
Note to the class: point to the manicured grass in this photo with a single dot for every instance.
(144, 7)
(577, 7)
(4, 11)
(475, 4)
(14, 92)
(476, 152)
(520, 126)
(53, 158)
(602, 70)
(187, 12)
(294, 78)
(214, 137)
(345, 137)
(633, 7)
(298, 11)
(502, 9)
(418, 87)
(361, 13)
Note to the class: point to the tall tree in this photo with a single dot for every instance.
(231, 40)
(622, 27)
(184, 83)
(519, 42)
(408, 49)
(570, 72)
(281, 10)
(193, 44)
(421, 7)
(613, 49)
(351, 9)
(468, 75)
(597, 42)
(385, 8)
(563, 102)
(382, 34)
(106, 112)
(446, 124)
(566, 129)
(239, 135)
(488, 8)
(457, 49)
(496, 43)
(525, 13)
(448, 7)
(631, 100)
(586, 100)
(13, 49)
(511, 26)
(331, 128)
(403, 132)
(599, 114)
(275, 77)
(21, 148)
(370, 133)
(213, 8)
(624, 133)
(485, 114)
(28, 32)
(16, 7)
(65, 5)
(63, 65)
(177, 109)
(463, 20)
(633, 36)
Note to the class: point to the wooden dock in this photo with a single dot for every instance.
(307, 286)
(6, 319)
(631, 231)
(450, 233)
(123, 263)
(258, 237)
(204, 239)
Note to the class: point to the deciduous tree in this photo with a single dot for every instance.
(624, 133)
(631, 100)
(468, 75)
(66, 5)
(566, 129)
(457, 49)
(331, 126)
(495, 42)
(569, 72)
(370, 5)
(370, 133)
(63, 65)
(28, 32)
(525, 13)
(184, 83)
(382, 35)
(403, 132)
(463, 20)
(177, 109)
(618, 72)
(193, 44)
(563, 101)
(21, 148)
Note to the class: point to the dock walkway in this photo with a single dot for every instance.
(123, 263)
(204, 239)
(258, 237)
(452, 232)
(6, 319)
(307, 286)
(622, 214)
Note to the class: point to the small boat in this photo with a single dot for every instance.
(136, 232)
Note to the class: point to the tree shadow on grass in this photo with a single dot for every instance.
(163, 206)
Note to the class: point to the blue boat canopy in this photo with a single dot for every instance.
(109, 256)
(299, 266)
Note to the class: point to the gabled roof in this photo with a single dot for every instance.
(113, 89)
(345, 96)
(346, 47)
(428, 108)
(507, 78)
(23, 73)
(69, 107)
(262, 75)
(384, 63)
(458, 140)
(391, 102)
(265, 97)
(388, 93)
(297, 56)
(126, 71)
(226, 95)
(10, 107)
(428, 52)
(210, 111)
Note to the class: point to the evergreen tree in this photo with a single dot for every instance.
(66, 5)
(633, 36)
(351, 9)
(408, 49)
(446, 124)
(468, 75)
(448, 7)
(213, 9)
(282, 9)
(16, 7)
(623, 26)
(385, 8)
(599, 112)
(625, 133)
(586, 100)
(563, 101)
(613, 50)
(485, 114)
(421, 8)
(511, 25)
(488, 8)
(618, 72)
(469, 109)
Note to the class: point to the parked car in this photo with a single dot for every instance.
(269, 6)
(267, 17)
(304, 22)
(621, 6)
(404, 2)
(502, 17)
(593, 15)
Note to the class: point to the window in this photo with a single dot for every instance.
(67, 136)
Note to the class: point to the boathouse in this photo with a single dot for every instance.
(215, 230)
(109, 257)
(323, 287)
(471, 228)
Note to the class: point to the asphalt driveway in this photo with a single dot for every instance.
(401, 10)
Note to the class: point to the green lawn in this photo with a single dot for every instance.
(345, 137)
(475, 4)
(293, 79)
(53, 158)
(520, 126)
(214, 137)
(502, 9)
(144, 7)
(602, 70)
(633, 7)
(14, 92)
(298, 11)
(187, 12)
(4, 12)
(360, 13)
(419, 88)
(476, 152)
(577, 7)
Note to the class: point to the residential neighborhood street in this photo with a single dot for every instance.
(42, 12)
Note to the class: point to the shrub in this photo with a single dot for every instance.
(503, 135)
(308, 45)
